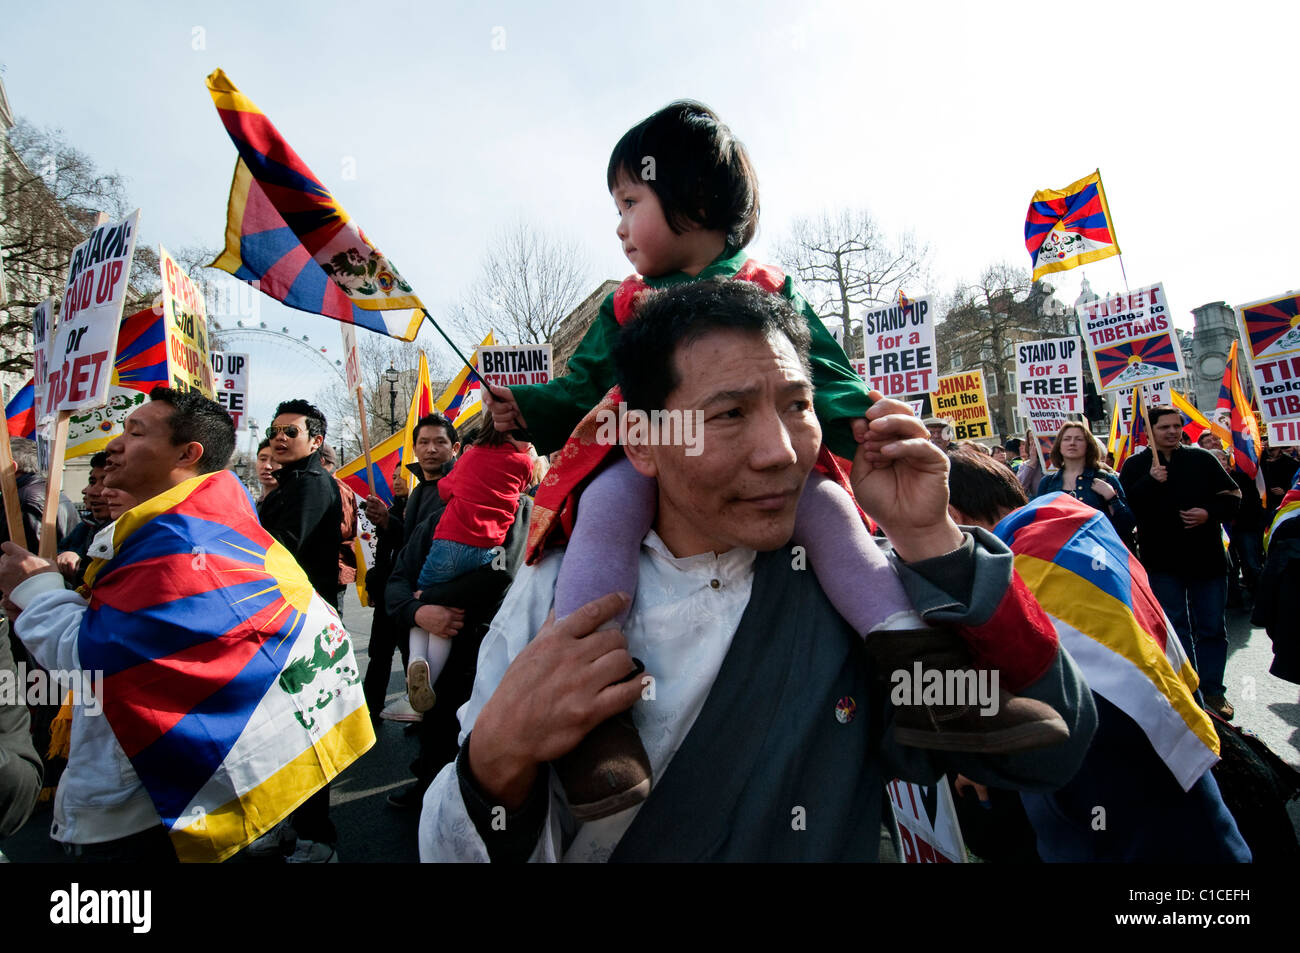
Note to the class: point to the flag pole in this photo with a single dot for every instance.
(473, 371)
(353, 369)
(9, 487)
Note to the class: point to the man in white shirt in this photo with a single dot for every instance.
(758, 709)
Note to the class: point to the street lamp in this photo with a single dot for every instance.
(391, 376)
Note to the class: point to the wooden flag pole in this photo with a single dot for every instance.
(54, 488)
(365, 440)
(352, 366)
(9, 487)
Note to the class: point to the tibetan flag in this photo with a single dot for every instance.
(142, 351)
(463, 397)
(1194, 422)
(1108, 619)
(422, 404)
(1286, 510)
(230, 684)
(1117, 444)
(1137, 430)
(21, 411)
(1135, 359)
(1242, 428)
(287, 233)
(1272, 325)
(385, 460)
(1070, 227)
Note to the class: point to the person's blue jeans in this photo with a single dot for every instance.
(1195, 607)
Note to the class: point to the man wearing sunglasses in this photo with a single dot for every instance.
(304, 513)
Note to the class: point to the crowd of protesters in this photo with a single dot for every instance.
(550, 699)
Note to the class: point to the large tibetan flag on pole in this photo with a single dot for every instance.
(21, 412)
(1099, 599)
(463, 397)
(1069, 227)
(287, 234)
(230, 684)
(1234, 422)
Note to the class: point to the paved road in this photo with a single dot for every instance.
(371, 831)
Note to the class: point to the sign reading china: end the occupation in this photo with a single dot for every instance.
(899, 345)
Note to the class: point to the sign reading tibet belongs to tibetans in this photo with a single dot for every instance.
(961, 398)
(1049, 383)
(1271, 329)
(186, 318)
(1131, 339)
(511, 364)
(81, 360)
(230, 381)
(899, 345)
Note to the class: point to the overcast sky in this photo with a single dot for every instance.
(941, 118)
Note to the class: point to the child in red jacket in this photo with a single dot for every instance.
(481, 492)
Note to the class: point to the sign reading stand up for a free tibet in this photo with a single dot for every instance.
(899, 345)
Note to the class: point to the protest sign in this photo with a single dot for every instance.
(1271, 329)
(81, 360)
(899, 343)
(511, 364)
(1049, 384)
(918, 403)
(961, 398)
(188, 367)
(42, 338)
(1153, 395)
(230, 382)
(139, 366)
(1131, 338)
(927, 823)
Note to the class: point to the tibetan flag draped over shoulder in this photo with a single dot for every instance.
(287, 233)
(1098, 597)
(230, 684)
(21, 411)
(1069, 227)
(463, 397)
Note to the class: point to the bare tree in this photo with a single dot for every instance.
(986, 319)
(530, 281)
(50, 196)
(846, 261)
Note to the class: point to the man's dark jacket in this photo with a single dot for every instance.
(305, 514)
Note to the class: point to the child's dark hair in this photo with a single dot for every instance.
(489, 436)
(698, 170)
